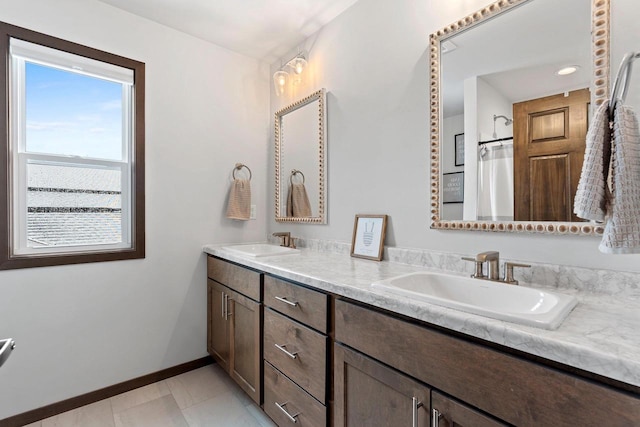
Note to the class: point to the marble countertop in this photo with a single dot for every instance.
(601, 335)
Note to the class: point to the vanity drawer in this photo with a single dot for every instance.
(309, 367)
(303, 304)
(279, 389)
(240, 279)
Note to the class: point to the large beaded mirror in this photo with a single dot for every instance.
(502, 111)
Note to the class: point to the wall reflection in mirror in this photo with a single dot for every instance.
(524, 120)
(625, 37)
(300, 147)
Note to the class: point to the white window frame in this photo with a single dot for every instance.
(22, 52)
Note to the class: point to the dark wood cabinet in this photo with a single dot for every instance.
(325, 360)
(368, 393)
(288, 404)
(447, 412)
(244, 346)
(234, 324)
(218, 326)
(508, 387)
(296, 353)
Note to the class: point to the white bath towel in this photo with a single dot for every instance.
(239, 206)
(592, 194)
(622, 231)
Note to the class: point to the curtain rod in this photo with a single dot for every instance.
(509, 138)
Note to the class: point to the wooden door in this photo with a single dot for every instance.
(217, 325)
(548, 150)
(451, 413)
(370, 394)
(245, 362)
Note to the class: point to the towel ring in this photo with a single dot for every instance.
(621, 83)
(295, 172)
(238, 167)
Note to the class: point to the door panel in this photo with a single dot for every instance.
(548, 151)
(547, 172)
(370, 394)
(218, 326)
(245, 338)
(456, 414)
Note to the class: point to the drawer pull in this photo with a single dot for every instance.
(288, 353)
(436, 416)
(286, 301)
(224, 310)
(282, 408)
(414, 413)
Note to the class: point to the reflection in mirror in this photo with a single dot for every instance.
(625, 37)
(498, 79)
(300, 148)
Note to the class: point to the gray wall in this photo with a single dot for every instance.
(81, 328)
(374, 62)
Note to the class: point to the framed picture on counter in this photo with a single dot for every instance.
(368, 236)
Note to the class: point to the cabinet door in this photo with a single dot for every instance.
(244, 315)
(447, 412)
(218, 325)
(370, 394)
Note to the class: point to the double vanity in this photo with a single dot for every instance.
(309, 338)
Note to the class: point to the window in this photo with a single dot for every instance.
(74, 153)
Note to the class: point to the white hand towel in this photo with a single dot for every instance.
(593, 192)
(239, 206)
(622, 232)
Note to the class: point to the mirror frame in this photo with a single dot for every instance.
(600, 35)
(319, 96)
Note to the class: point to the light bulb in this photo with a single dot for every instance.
(280, 81)
(298, 63)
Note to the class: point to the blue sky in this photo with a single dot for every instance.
(71, 113)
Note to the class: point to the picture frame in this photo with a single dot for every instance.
(459, 149)
(453, 187)
(368, 236)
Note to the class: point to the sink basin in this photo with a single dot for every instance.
(261, 250)
(517, 304)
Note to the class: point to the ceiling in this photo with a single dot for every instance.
(261, 29)
(519, 51)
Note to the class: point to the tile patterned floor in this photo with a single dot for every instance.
(205, 397)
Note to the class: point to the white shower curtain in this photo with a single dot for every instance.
(495, 181)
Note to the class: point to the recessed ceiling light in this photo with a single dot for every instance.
(567, 70)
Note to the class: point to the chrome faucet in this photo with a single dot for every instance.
(492, 258)
(285, 239)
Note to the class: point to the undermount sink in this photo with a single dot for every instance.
(261, 250)
(517, 304)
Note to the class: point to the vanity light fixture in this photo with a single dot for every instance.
(565, 71)
(298, 63)
(280, 78)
